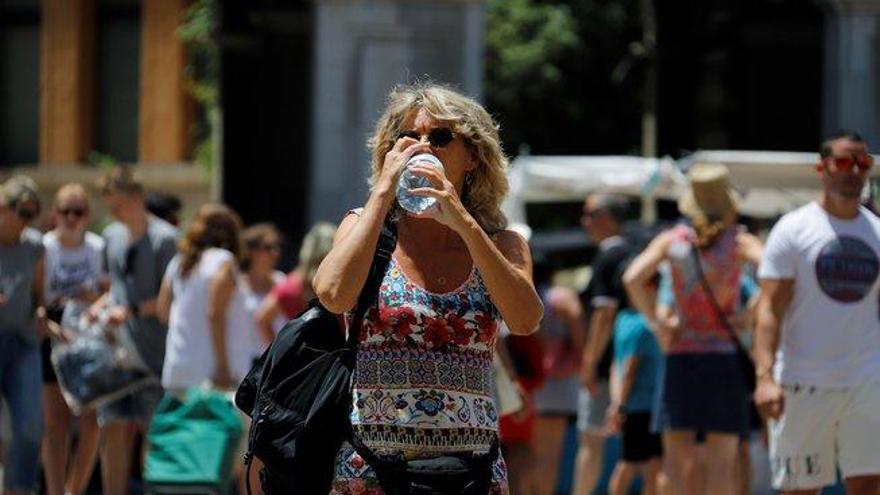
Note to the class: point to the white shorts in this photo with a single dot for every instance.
(823, 429)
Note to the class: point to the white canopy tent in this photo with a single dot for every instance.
(771, 182)
(543, 179)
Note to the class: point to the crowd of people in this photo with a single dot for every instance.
(656, 348)
(671, 323)
(199, 306)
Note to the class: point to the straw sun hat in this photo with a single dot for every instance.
(709, 194)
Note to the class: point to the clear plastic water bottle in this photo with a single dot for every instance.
(409, 180)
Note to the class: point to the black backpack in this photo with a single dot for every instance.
(298, 393)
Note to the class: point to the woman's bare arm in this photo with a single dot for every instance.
(640, 272)
(265, 317)
(506, 269)
(164, 300)
(222, 287)
(567, 305)
(344, 271)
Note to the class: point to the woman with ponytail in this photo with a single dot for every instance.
(704, 388)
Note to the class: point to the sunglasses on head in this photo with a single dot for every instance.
(439, 137)
(846, 163)
(72, 211)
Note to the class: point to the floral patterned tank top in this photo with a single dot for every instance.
(702, 329)
(423, 383)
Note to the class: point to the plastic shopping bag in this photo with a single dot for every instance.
(99, 365)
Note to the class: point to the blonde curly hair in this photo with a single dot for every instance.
(483, 194)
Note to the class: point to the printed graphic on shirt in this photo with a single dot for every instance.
(846, 268)
(792, 468)
(70, 276)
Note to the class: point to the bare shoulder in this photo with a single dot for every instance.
(508, 241)
(747, 239)
(226, 274)
(749, 247)
(513, 247)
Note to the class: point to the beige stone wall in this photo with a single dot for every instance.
(67, 55)
(67, 98)
(165, 107)
(67, 83)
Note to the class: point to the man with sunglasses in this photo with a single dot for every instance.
(603, 218)
(817, 350)
(139, 247)
(21, 288)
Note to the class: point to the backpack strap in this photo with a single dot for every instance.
(370, 292)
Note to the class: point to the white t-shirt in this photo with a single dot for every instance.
(831, 331)
(67, 270)
(189, 352)
(252, 302)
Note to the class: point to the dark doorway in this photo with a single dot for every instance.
(19, 82)
(739, 74)
(266, 95)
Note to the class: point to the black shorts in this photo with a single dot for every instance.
(639, 443)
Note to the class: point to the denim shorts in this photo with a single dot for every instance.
(703, 392)
(136, 407)
(20, 384)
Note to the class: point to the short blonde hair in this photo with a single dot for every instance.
(483, 195)
(71, 190)
(315, 246)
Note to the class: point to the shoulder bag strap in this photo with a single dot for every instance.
(370, 292)
(695, 254)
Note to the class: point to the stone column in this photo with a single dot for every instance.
(852, 68)
(363, 48)
(165, 108)
(67, 49)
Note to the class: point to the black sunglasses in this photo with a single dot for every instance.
(439, 137)
(76, 212)
(269, 247)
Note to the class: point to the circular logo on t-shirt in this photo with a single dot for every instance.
(846, 268)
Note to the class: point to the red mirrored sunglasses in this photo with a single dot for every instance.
(846, 163)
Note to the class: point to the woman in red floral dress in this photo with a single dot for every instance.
(423, 385)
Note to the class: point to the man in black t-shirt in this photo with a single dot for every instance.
(602, 299)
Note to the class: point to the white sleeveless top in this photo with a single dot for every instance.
(189, 352)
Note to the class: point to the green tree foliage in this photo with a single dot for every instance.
(199, 32)
(549, 67)
(526, 43)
